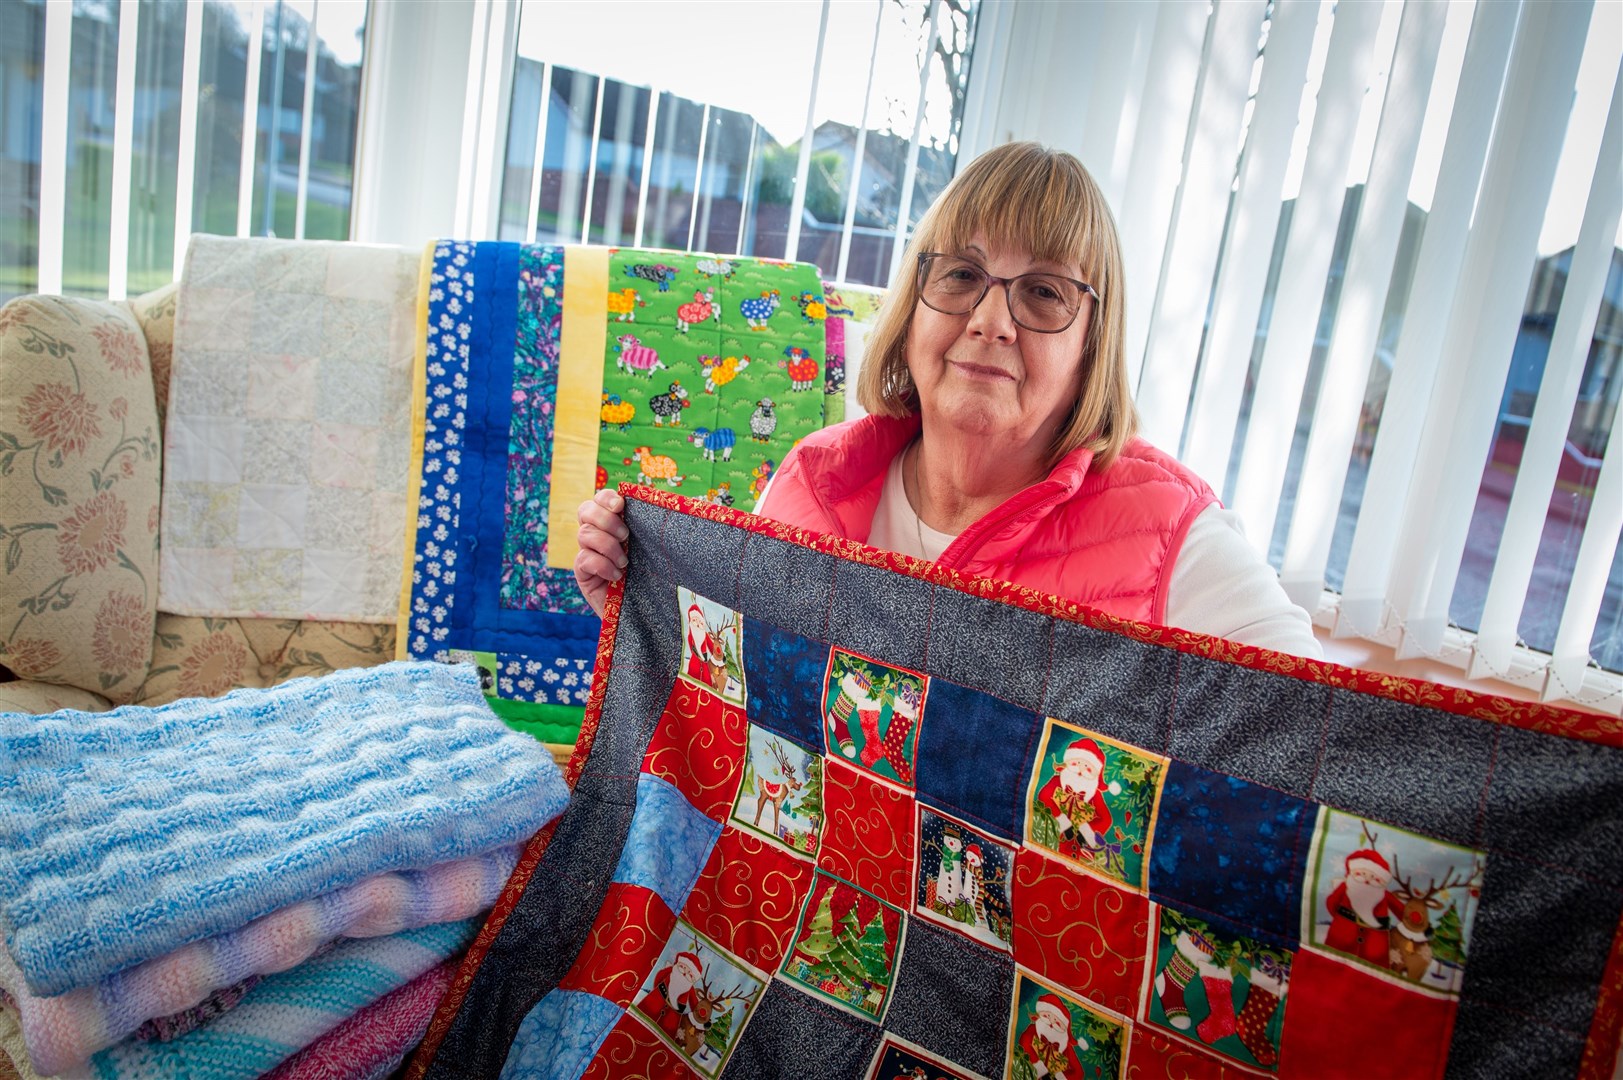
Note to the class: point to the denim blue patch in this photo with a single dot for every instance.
(559, 1037)
(1222, 844)
(983, 782)
(669, 842)
(784, 673)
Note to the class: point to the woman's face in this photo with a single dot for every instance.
(986, 376)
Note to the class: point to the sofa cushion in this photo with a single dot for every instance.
(79, 461)
(24, 696)
(194, 656)
(155, 311)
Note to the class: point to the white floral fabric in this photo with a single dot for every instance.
(288, 431)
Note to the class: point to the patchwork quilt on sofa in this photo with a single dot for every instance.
(545, 373)
(920, 824)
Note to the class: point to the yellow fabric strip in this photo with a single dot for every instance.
(580, 395)
(414, 476)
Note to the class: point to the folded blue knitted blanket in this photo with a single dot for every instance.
(125, 835)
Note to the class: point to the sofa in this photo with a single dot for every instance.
(83, 389)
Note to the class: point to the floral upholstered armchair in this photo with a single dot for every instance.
(83, 386)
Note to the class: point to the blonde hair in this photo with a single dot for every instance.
(1042, 201)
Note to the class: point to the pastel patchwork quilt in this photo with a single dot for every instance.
(285, 457)
(837, 812)
(546, 373)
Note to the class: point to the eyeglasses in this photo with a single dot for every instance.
(1044, 303)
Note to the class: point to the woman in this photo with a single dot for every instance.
(1000, 435)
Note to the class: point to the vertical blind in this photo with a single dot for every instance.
(1376, 279)
(830, 160)
(153, 119)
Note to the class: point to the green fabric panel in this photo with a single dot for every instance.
(727, 365)
(546, 722)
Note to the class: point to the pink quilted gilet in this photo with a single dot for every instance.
(1105, 539)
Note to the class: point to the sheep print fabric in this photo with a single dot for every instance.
(932, 824)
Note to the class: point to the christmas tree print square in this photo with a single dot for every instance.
(1224, 993)
(698, 998)
(963, 879)
(1392, 901)
(1093, 802)
(846, 947)
(781, 797)
(871, 715)
(712, 645)
(1053, 1034)
(898, 1059)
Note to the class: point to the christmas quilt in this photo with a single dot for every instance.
(841, 813)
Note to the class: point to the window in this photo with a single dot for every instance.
(1375, 256)
(123, 125)
(688, 127)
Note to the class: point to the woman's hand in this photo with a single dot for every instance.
(602, 537)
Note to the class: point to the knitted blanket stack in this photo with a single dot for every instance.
(150, 857)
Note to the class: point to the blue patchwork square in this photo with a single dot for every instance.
(784, 673)
(984, 781)
(558, 1038)
(795, 1034)
(952, 998)
(1223, 844)
(668, 843)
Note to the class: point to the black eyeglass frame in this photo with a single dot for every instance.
(924, 258)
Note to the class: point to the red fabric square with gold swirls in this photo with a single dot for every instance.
(631, 1051)
(868, 835)
(699, 747)
(1415, 1027)
(1079, 931)
(632, 927)
(1154, 1056)
(748, 898)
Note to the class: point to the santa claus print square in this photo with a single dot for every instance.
(781, 797)
(1093, 801)
(963, 878)
(698, 998)
(1217, 991)
(1053, 1034)
(1392, 901)
(712, 645)
(871, 715)
(846, 947)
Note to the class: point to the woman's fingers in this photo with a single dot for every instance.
(602, 536)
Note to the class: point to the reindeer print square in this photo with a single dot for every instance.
(847, 947)
(1055, 1034)
(712, 646)
(963, 878)
(1392, 901)
(1093, 802)
(781, 797)
(698, 998)
(871, 715)
(1217, 990)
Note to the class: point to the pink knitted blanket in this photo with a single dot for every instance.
(65, 1030)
